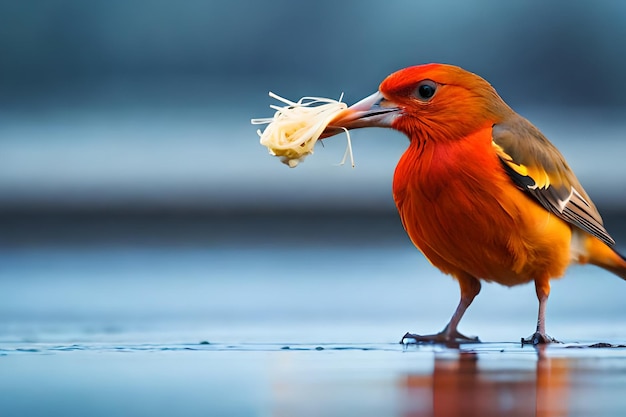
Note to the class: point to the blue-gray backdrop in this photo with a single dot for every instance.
(146, 103)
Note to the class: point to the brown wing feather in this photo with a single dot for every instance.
(537, 167)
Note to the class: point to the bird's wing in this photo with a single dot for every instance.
(537, 167)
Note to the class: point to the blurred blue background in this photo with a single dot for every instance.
(146, 104)
(126, 148)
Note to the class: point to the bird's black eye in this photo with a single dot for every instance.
(425, 90)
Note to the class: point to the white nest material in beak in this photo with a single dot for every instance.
(292, 132)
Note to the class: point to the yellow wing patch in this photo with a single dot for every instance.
(538, 168)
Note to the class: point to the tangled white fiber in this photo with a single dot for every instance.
(295, 128)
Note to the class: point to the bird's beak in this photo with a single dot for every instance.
(372, 111)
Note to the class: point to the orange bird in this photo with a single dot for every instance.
(480, 191)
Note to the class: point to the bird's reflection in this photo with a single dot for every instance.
(459, 386)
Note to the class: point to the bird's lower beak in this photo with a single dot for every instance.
(372, 111)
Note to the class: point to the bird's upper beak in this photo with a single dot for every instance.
(372, 111)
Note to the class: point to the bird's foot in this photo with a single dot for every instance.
(444, 337)
(538, 339)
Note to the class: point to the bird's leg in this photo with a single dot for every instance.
(470, 287)
(542, 287)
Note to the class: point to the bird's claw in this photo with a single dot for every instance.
(538, 339)
(444, 338)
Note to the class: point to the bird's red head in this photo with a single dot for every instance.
(423, 100)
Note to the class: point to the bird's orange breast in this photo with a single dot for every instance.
(463, 212)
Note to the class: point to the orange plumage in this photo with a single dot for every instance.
(480, 191)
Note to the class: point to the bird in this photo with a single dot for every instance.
(480, 191)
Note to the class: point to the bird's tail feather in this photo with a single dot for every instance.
(622, 270)
(606, 257)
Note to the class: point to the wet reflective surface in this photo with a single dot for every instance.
(311, 380)
(306, 330)
(556, 383)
